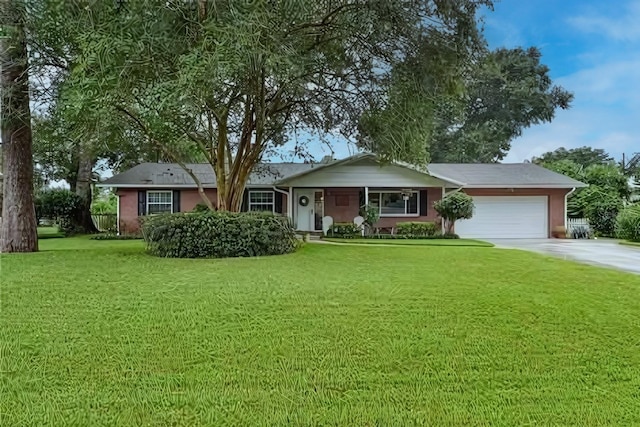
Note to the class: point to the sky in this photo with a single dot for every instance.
(592, 48)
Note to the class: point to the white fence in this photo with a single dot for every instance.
(577, 223)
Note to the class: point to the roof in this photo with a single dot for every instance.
(484, 175)
(173, 175)
(500, 175)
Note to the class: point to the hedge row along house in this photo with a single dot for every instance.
(511, 200)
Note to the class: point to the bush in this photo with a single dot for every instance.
(406, 236)
(417, 228)
(628, 223)
(454, 207)
(201, 207)
(114, 236)
(218, 234)
(347, 230)
(602, 216)
(60, 205)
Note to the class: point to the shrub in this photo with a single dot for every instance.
(344, 230)
(407, 236)
(417, 228)
(201, 207)
(454, 207)
(114, 236)
(218, 234)
(60, 205)
(602, 216)
(628, 223)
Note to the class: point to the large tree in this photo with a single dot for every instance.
(232, 81)
(507, 91)
(19, 228)
(582, 156)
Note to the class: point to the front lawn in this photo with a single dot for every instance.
(412, 242)
(97, 333)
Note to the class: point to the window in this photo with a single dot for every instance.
(392, 203)
(159, 202)
(261, 201)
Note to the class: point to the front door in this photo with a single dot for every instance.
(309, 209)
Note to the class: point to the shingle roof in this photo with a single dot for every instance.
(267, 174)
(172, 174)
(502, 175)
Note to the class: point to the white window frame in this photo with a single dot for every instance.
(156, 203)
(406, 204)
(273, 200)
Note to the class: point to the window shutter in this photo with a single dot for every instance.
(142, 202)
(423, 203)
(361, 198)
(244, 207)
(278, 202)
(176, 201)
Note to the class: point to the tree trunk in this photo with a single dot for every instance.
(19, 227)
(84, 223)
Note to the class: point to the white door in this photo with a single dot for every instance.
(522, 217)
(309, 209)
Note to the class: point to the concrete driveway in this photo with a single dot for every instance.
(601, 252)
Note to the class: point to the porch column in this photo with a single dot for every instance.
(290, 204)
(366, 196)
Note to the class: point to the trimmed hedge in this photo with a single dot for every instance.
(345, 230)
(417, 228)
(628, 223)
(218, 235)
(405, 237)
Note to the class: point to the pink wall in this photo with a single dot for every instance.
(129, 206)
(347, 213)
(555, 199)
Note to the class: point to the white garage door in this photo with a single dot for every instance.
(506, 217)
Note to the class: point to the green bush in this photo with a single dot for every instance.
(628, 223)
(218, 234)
(417, 228)
(201, 207)
(60, 205)
(454, 207)
(344, 230)
(114, 236)
(404, 236)
(602, 215)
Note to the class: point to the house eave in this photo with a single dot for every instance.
(551, 186)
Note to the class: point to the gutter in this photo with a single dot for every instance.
(565, 207)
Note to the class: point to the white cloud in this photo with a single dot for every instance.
(624, 27)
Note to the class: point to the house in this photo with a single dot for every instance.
(512, 200)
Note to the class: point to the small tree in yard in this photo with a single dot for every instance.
(454, 207)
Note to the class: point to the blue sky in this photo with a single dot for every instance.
(592, 48)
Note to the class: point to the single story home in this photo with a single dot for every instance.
(520, 200)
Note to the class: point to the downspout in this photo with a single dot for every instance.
(565, 207)
(117, 213)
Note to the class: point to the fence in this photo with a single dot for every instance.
(105, 222)
(575, 225)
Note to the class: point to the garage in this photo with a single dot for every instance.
(522, 217)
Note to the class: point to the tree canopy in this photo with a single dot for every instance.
(507, 91)
(232, 82)
(582, 156)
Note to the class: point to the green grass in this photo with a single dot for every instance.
(96, 333)
(628, 243)
(412, 242)
(49, 233)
